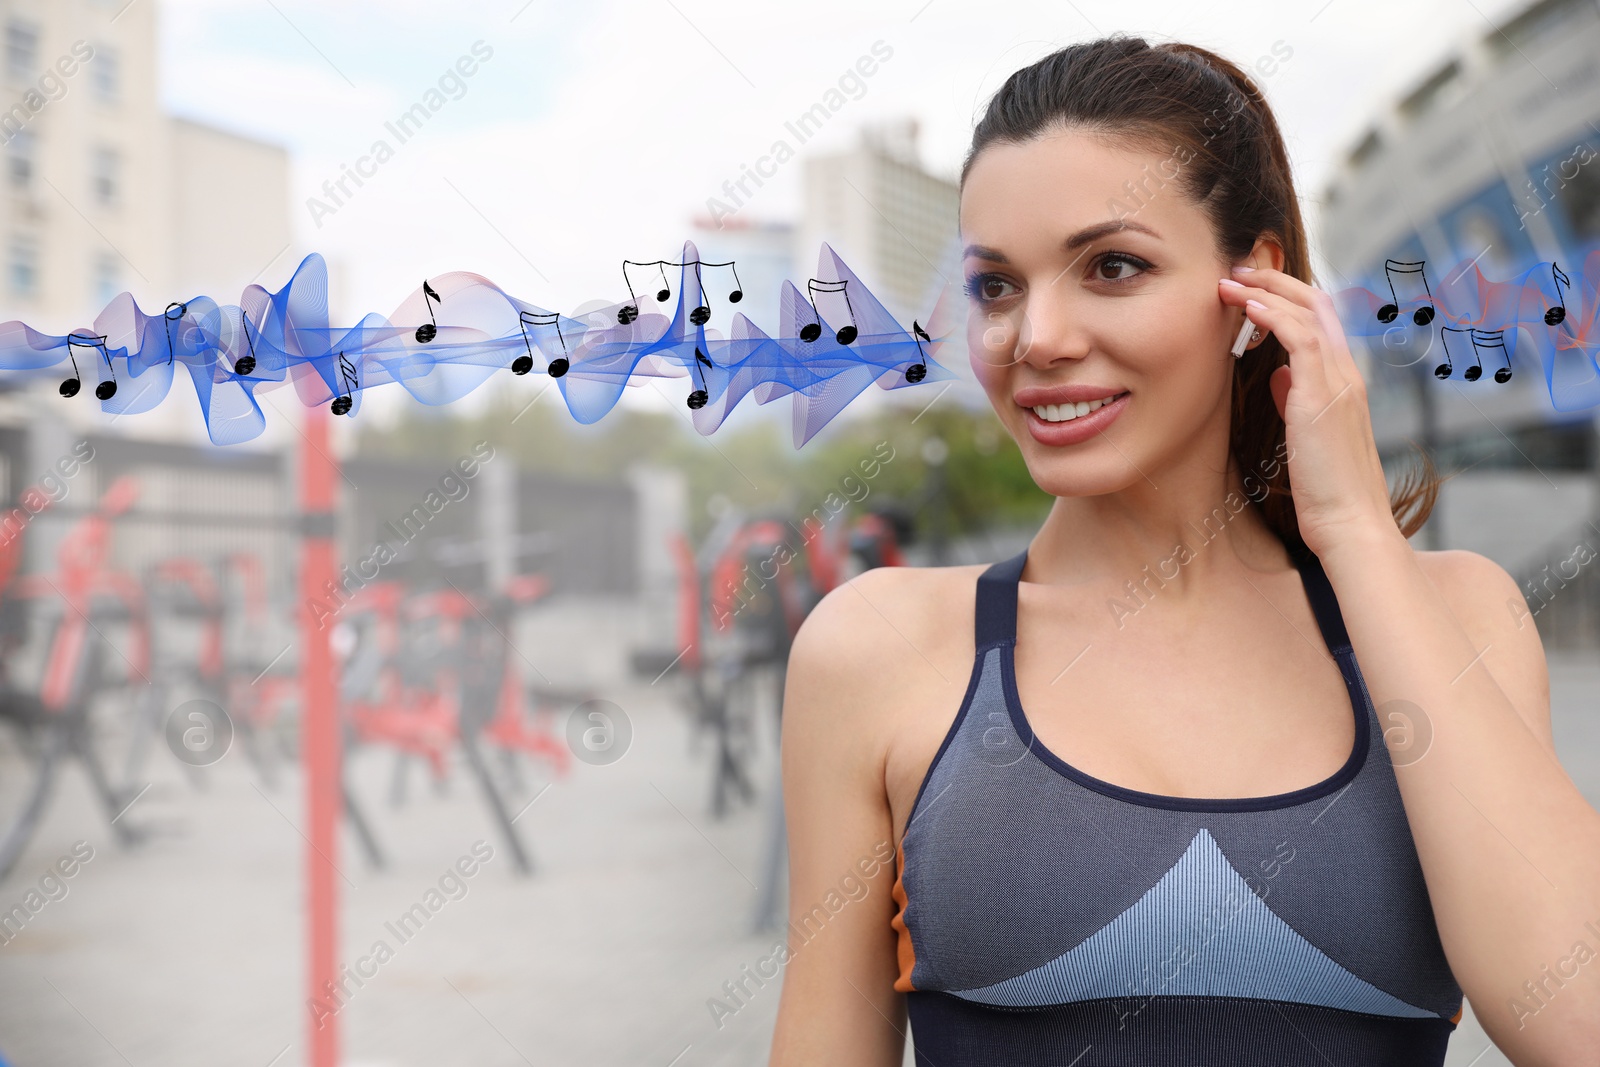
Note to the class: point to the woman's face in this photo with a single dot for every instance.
(1091, 276)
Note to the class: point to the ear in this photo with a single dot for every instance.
(1266, 253)
(1279, 383)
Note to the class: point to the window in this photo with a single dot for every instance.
(103, 175)
(24, 265)
(22, 50)
(106, 73)
(21, 159)
(107, 279)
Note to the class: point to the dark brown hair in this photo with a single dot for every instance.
(1185, 99)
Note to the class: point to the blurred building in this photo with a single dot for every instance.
(105, 192)
(1491, 157)
(765, 256)
(889, 218)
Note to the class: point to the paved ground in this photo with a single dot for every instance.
(188, 949)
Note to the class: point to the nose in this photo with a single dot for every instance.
(1050, 327)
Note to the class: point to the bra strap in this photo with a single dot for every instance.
(1323, 603)
(997, 602)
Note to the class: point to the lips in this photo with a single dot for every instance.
(1050, 429)
(1041, 395)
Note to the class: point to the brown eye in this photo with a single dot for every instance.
(1118, 267)
(985, 288)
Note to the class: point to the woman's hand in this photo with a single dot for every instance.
(1339, 487)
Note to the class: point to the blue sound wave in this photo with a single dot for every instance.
(1475, 325)
(458, 330)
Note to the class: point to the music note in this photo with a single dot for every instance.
(918, 370)
(524, 364)
(70, 387)
(813, 330)
(1557, 314)
(347, 371)
(1443, 370)
(181, 309)
(1481, 339)
(430, 329)
(702, 314)
(1388, 312)
(628, 312)
(698, 398)
(245, 365)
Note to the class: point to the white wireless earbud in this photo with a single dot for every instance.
(1247, 333)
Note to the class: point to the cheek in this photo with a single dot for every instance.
(996, 381)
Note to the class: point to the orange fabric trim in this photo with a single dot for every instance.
(1457, 1016)
(904, 950)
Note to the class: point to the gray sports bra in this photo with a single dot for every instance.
(1048, 917)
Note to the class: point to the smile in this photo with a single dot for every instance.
(1068, 412)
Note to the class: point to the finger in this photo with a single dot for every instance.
(1315, 300)
(1302, 336)
(1309, 324)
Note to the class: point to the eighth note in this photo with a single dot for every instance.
(245, 365)
(1557, 314)
(1481, 339)
(524, 364)
(918, 370)
(428, 330)
(628, 312)
(1389, 312)
(347, 371)
(698, 398)
(701, 314)
(813, 330)
(70, 387)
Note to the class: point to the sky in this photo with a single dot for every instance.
(589, 133)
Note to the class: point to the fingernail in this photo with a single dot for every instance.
(1242, 269)
(1230, 281)
(1254, 303)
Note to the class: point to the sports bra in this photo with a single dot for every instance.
(1047, 917)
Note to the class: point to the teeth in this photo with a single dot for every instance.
(1068, 412)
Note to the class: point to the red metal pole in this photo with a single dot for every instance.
(319, 736)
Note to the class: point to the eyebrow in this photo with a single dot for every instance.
(1076, 241)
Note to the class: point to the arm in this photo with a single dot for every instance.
(1509, 848)
(838, 1004)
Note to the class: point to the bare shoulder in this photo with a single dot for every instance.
(1491, 607)
(879, 646)
(862, 628)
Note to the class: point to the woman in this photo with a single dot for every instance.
(1168, 824)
